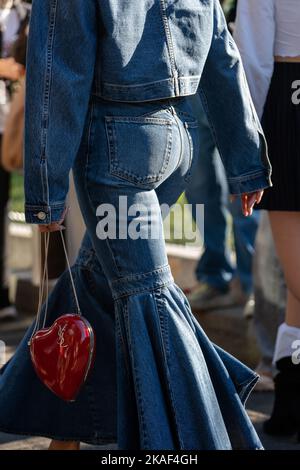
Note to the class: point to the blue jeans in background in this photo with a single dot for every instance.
(208, 186)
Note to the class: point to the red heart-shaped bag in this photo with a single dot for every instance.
(62, 354)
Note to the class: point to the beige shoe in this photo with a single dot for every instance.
(205, 297)
(237, 295)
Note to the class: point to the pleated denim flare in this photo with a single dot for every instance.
(157, 382)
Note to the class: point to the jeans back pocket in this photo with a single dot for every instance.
(139, 149)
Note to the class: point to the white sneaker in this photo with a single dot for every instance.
(8, 313)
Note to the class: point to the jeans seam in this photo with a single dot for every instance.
(136, 380)
(143, 119)
(139, 276)
(178, 125)
(164, 324)
(85, 260)
(167, 370)
(121, 338)
(89, 140)
(188, 174)
(113, 257)
(89, 145)
(142, 290)
(157, 282)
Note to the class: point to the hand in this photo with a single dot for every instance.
(248, 201)
(10, 69)
(54, 226)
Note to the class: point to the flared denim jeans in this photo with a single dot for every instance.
(157, 382)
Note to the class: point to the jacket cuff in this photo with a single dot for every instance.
(43, 215)
(250, 183)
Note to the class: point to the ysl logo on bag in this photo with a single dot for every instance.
(63, 353)
(61, 337)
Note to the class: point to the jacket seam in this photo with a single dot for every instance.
(211, 125)
(247, 176)
(46, 98)
(55, 205)
(170, 45)
(154, 83)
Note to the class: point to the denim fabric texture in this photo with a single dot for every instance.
(165, 386)
(111, 88)
(131, 51)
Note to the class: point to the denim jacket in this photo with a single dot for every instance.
(131, 51)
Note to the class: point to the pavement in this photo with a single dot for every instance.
(259, 405)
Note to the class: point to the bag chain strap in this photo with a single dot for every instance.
(45, 281)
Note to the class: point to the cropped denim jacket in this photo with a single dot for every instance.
(131, 51)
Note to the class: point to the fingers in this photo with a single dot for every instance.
(259, 197)
(244, 199)
(55, 227)
(249, 200)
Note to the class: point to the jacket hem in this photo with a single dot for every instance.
(151, 91)
(250, 183)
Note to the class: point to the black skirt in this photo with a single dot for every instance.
(281, 124)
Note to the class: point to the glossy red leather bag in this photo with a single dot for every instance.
(62, 354)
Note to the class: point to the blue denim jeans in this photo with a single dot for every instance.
(158, 382)
(209, 186)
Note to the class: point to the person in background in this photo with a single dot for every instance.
(221, 282)
(12, 13)
(269, 286)
(269, 301)
(268, 37)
